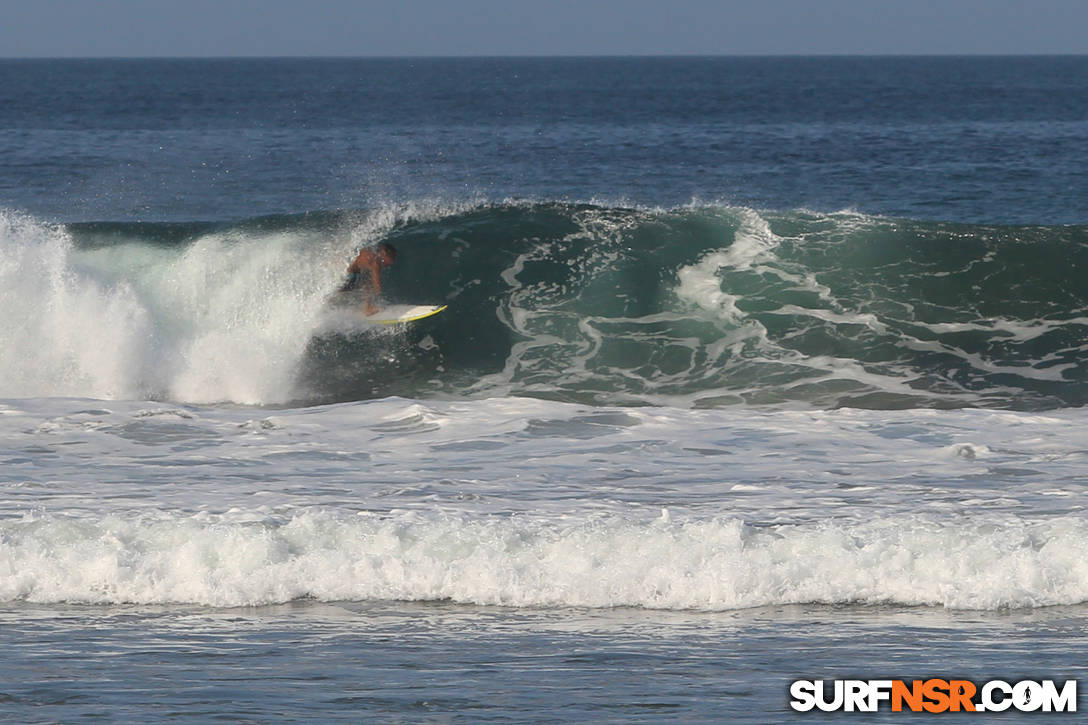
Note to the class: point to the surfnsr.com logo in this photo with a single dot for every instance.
(933, 695)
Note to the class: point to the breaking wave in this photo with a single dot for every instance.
(702, 305)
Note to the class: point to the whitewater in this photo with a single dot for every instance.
(529, 503)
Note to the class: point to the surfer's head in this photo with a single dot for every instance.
(387, 254)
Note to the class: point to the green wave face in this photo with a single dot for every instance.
(704, 305)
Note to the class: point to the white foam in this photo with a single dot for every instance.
(839, 318)
(245, 558)
(701, 283)
(536, 503)
(225, 318)
(1016, 330)
(1053, 373)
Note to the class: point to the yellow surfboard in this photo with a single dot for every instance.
(399, 314)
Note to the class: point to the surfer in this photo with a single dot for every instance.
(371, 261)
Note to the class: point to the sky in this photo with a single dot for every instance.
(184, 28)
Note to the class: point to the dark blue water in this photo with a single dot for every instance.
(997, 140)
(429, 663)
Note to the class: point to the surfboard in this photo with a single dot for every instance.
(400, 314)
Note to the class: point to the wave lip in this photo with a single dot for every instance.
(243, 559)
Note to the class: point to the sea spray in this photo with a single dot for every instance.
(223, 317)
(62, 331)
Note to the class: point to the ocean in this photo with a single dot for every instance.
(754, 370)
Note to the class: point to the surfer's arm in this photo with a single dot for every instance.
(375, 268)
(374, 290)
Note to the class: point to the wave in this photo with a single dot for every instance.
(702, 305)
(242, 558)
